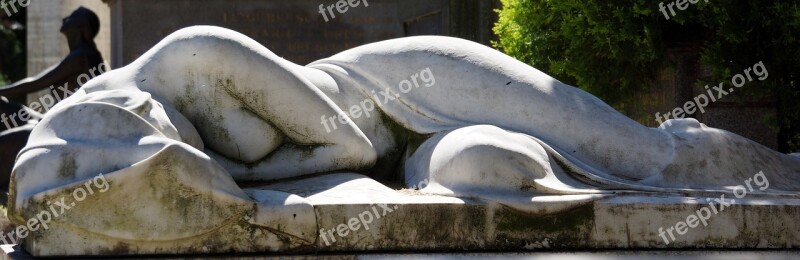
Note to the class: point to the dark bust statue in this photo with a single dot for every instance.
(82, 63)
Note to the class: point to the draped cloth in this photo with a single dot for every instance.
(162, 190)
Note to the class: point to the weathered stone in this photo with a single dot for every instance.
(503, 157)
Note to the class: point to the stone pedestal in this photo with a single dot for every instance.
(357, 214)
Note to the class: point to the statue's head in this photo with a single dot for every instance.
(81, 23)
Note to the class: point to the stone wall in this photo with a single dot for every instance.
(297, 30)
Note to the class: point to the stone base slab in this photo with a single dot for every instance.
(413, 222)
(358, 214)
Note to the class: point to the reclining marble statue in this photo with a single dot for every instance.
(174, 131)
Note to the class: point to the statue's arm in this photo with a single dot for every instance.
(64, 71)
(294, 106)
(292, 160)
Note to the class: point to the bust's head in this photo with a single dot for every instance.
(82, 23)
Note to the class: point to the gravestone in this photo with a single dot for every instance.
(296, 30)
(526, 163)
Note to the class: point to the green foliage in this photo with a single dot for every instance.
(606, 47)
(9, 50)
(746, 32)
(12, 48)
(614, 48)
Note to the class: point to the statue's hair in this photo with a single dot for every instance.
(92, 21)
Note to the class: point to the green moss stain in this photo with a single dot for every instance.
(68, 166)
(566, 229)
(439, 227)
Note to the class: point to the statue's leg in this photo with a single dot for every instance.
(488, 162)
